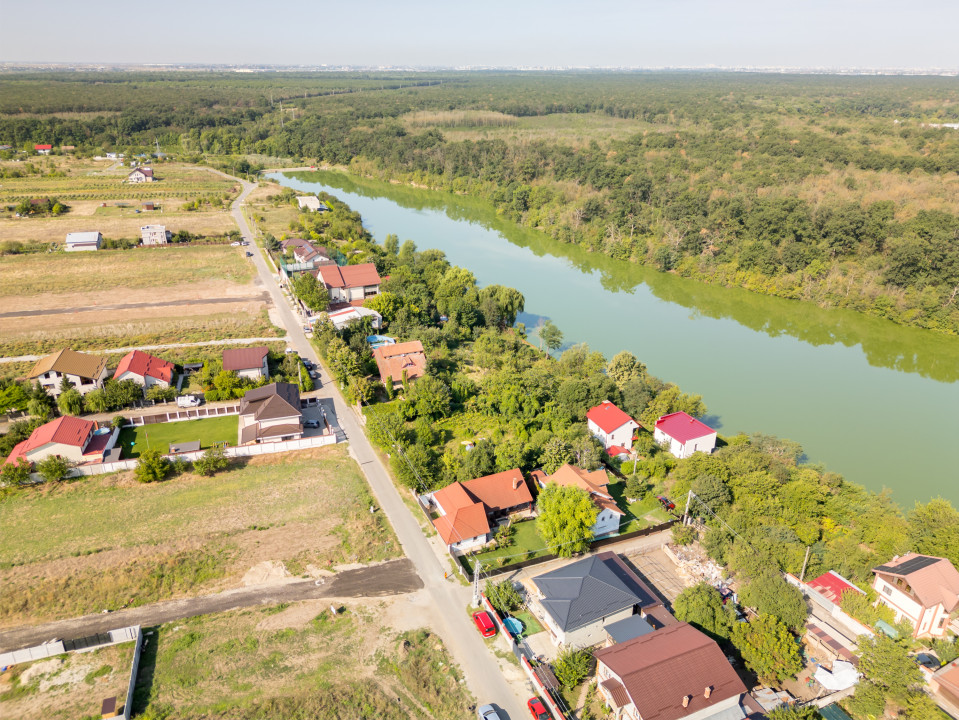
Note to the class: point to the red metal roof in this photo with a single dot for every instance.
(64, 430)
(144, 365)
(683, 427)
(832, 585)
(43, 147)
(244, 358)
(349, 276)
(609, 417)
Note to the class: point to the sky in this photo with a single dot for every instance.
(498, 33)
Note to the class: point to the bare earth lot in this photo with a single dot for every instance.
(107, 542)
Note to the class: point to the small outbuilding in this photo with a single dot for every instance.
(80, 241)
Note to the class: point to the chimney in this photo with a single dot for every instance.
(516, 482)
(709, 690)
(686, 699)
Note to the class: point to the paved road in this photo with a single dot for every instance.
(482, 672)
(228, 341)
(133, 306)
(391, 578)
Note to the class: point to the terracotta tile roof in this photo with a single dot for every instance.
(466, 504)
(595, 483)
(501, 491)
(609, 417)
(68, 362)
(683, 427)
(392, 360)
(144, 365)
(933, 580)
(659, 669)
(349, 276)
(244, 358)
(64, 430)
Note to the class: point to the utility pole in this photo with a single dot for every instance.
(689, 501)
(476, 591)
(802, 574)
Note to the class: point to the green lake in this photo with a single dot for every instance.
(874, 401)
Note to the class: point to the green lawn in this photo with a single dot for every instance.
(525, 540)
(159, 436)
(639, 514)
(531, 625)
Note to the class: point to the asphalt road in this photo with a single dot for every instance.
(468, 649)
(391, 578)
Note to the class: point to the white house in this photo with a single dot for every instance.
(683, 435)
(68, 437)
(145, 370)
(310, 202)
(154, 235)
(140, 175)
(342, 318)
(247, 362)
(84, 372)
(608, 516)
(611, 426)
(921, 589)
(79, 241)
(350, 283)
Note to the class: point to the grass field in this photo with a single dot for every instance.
(107, 541)
(298, 661)
(640, 514)
(208, 431)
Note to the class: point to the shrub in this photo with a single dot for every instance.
(683, 534)
(54, 468)
(152, 467)
(503, 596)
(572, 666)
(211, 462)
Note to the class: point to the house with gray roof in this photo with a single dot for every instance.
(271, 414)
(576, 602)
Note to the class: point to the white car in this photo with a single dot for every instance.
(487, 712)
(234, 244)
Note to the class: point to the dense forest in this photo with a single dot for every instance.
(835, 190)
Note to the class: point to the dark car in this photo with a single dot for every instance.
(249, 254)
(537, 709)
(311, 424)
(485, 623)
(666, 502)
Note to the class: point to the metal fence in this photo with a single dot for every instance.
(180, 414)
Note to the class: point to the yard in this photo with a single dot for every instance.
(527, 544)
(640, 514)
(108, 540)
(209, 431)
(368, 661)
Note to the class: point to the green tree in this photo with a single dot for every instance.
(118, 422)
(572, 666)
(550, 336)
(503, 596)
(887, 664)
(158, 393)
(360, 389)
(500, 305)
(70, 402)
(414, 467)
(934, 529)
(15, 474)
(556, 453)
(96, 401)
(152, 467)
(312, 293)
(13, 396)
(566, 517)
(624, 367)
(702, 606)
(211, 462)
(54, 468)
(387, 304)
(767, 648)
(770, 594)
(40, 404)
(713, 492)
(430, 397)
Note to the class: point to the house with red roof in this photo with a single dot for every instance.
(922, 589)
(608, 514)
(350, 284)
(674, 672)
(68, 437)
(612, 427)
(145, 370)
(43, 149)
(247, 362)
(682, 435)
(467, 511)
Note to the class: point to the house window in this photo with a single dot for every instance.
(886, 589)
(942, 621)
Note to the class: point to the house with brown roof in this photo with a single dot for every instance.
(350, 284)
(921, 588)
(75, 439)
(608, 515)
(85, 372)
(306, 253)
(672, 673)
(140, 175)
(145, 370)
(944, 684)
(399, 362)
(578, 601)
(247, 362)
(468, 510)
(270, 414)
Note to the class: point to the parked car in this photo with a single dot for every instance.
(235, 243)
(485, 623)
(537, 709)
(487, 712)
(312, 424)
(187, 401)
(249, 254)
(244, 242)
(314, 374)
(666, 502)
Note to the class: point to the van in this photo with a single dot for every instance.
(187, 401)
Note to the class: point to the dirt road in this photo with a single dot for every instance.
(261, 297)
(390, 578)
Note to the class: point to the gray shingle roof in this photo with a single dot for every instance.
(591, 589)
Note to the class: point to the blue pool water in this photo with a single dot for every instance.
(514, 626)
(376, 341)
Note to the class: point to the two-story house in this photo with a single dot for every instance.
(154, 235)
(920, 588)
(270, 414)
(608, 514)
(401, 362)
(672, 673)
(350, 284)
(682, 435)
(140, 175)
(84, 372)
(612, 427)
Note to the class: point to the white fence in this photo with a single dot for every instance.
(39, 652)
(844, 619)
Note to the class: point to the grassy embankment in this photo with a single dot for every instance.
(108, 541)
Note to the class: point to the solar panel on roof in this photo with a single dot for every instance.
(910, 566)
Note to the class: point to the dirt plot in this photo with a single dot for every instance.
(269, 663)
(108, 541)
(660, 571)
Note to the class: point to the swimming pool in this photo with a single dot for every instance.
(376, 341)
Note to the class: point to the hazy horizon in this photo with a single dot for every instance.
(654, 34)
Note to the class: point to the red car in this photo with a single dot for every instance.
(485, 623)
(666, 502)
(537, 709)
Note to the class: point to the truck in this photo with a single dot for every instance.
(187, 401)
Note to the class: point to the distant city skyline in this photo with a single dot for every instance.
(810, 34)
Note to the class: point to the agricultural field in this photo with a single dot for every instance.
(108, 541)
(119, 298)
(271, 662)
(66, 687)
(99, 199)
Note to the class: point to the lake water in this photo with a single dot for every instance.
(874, 401)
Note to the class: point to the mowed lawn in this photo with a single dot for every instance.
(160, 436)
